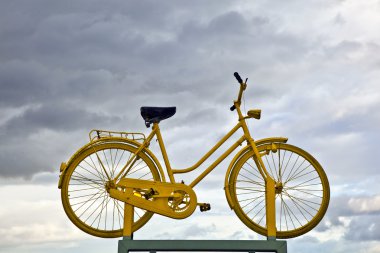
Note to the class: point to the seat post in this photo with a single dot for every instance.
(156, 129)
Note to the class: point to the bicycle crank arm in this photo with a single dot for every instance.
(176, 201)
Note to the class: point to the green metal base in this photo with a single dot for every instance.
(127, 244)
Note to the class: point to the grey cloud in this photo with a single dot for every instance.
(57, 117)
(22, 154)
(199, 231)
(69, 66)
(356, 208)
(23, 83)
(93, 64)
(364, 228)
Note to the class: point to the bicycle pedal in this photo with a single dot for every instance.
(150, 194)
(204, 207)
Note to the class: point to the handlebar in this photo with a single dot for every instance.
(238, 78)
(243, 86)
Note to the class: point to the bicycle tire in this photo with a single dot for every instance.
(84, 195)
(300, 204)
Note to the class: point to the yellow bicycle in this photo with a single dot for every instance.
(113, 185)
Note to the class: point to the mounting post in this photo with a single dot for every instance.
(127, 244)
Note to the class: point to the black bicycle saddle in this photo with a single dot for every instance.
(156, 114)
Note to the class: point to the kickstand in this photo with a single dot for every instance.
(128, 220)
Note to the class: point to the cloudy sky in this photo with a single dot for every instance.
(67, 67)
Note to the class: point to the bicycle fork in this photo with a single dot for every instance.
(270, 194)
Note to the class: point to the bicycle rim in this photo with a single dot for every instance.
(302, 190)
(84, 195)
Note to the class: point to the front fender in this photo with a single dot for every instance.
(91, 144)
(239, 155)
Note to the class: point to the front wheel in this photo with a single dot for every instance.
(84, 194)
(302, 190)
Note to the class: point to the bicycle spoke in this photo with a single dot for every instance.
(295, 186)
(287, 163)
(288, 210)
(252, 173)
(81, 183)
(244, 193)
(291, 176)
(281, 211)
(137, 213)
(261, 217)
(274, 168)
(249, 189)
(80, 177)
(144, 175)
(261, 196)
(132, 171)
(82, 196)
(258, 213)
(100, 172)
(299, 206)
(300, 188)
(270, 168)
(290, 173)
(119, 215)
(105, 157)
(298, 174)
(101, 212)
(255, 206)
(305, 202)
(279, 165)
(85, 189)
(94, 200)
(85, 201)
(112, 162)
(249, 182)
(311, 194)
(98, 176)
(102, 166)
(249, 198)
(101, 205)
(113, 215)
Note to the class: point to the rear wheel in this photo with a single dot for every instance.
(84, 193)
(302, 190)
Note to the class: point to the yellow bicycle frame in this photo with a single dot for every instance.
(269, 181)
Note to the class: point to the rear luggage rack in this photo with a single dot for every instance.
(99, 134)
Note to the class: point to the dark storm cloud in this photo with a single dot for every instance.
(74, 66)
(67, 67)
(71, 66)
(58, 117)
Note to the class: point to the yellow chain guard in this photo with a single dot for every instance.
(128, 190)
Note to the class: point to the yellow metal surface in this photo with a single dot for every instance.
(173, 200)
(177, 200)
(128, 219)
(270, 205)
(239, 155)
(293, 228)
(70, 196)
(256, 113)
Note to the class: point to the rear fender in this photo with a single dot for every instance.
(237, 157)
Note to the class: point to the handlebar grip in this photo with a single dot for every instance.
(238, 78)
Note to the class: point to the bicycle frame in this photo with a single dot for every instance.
(269, 181)
(94, 187)
(245, 137)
